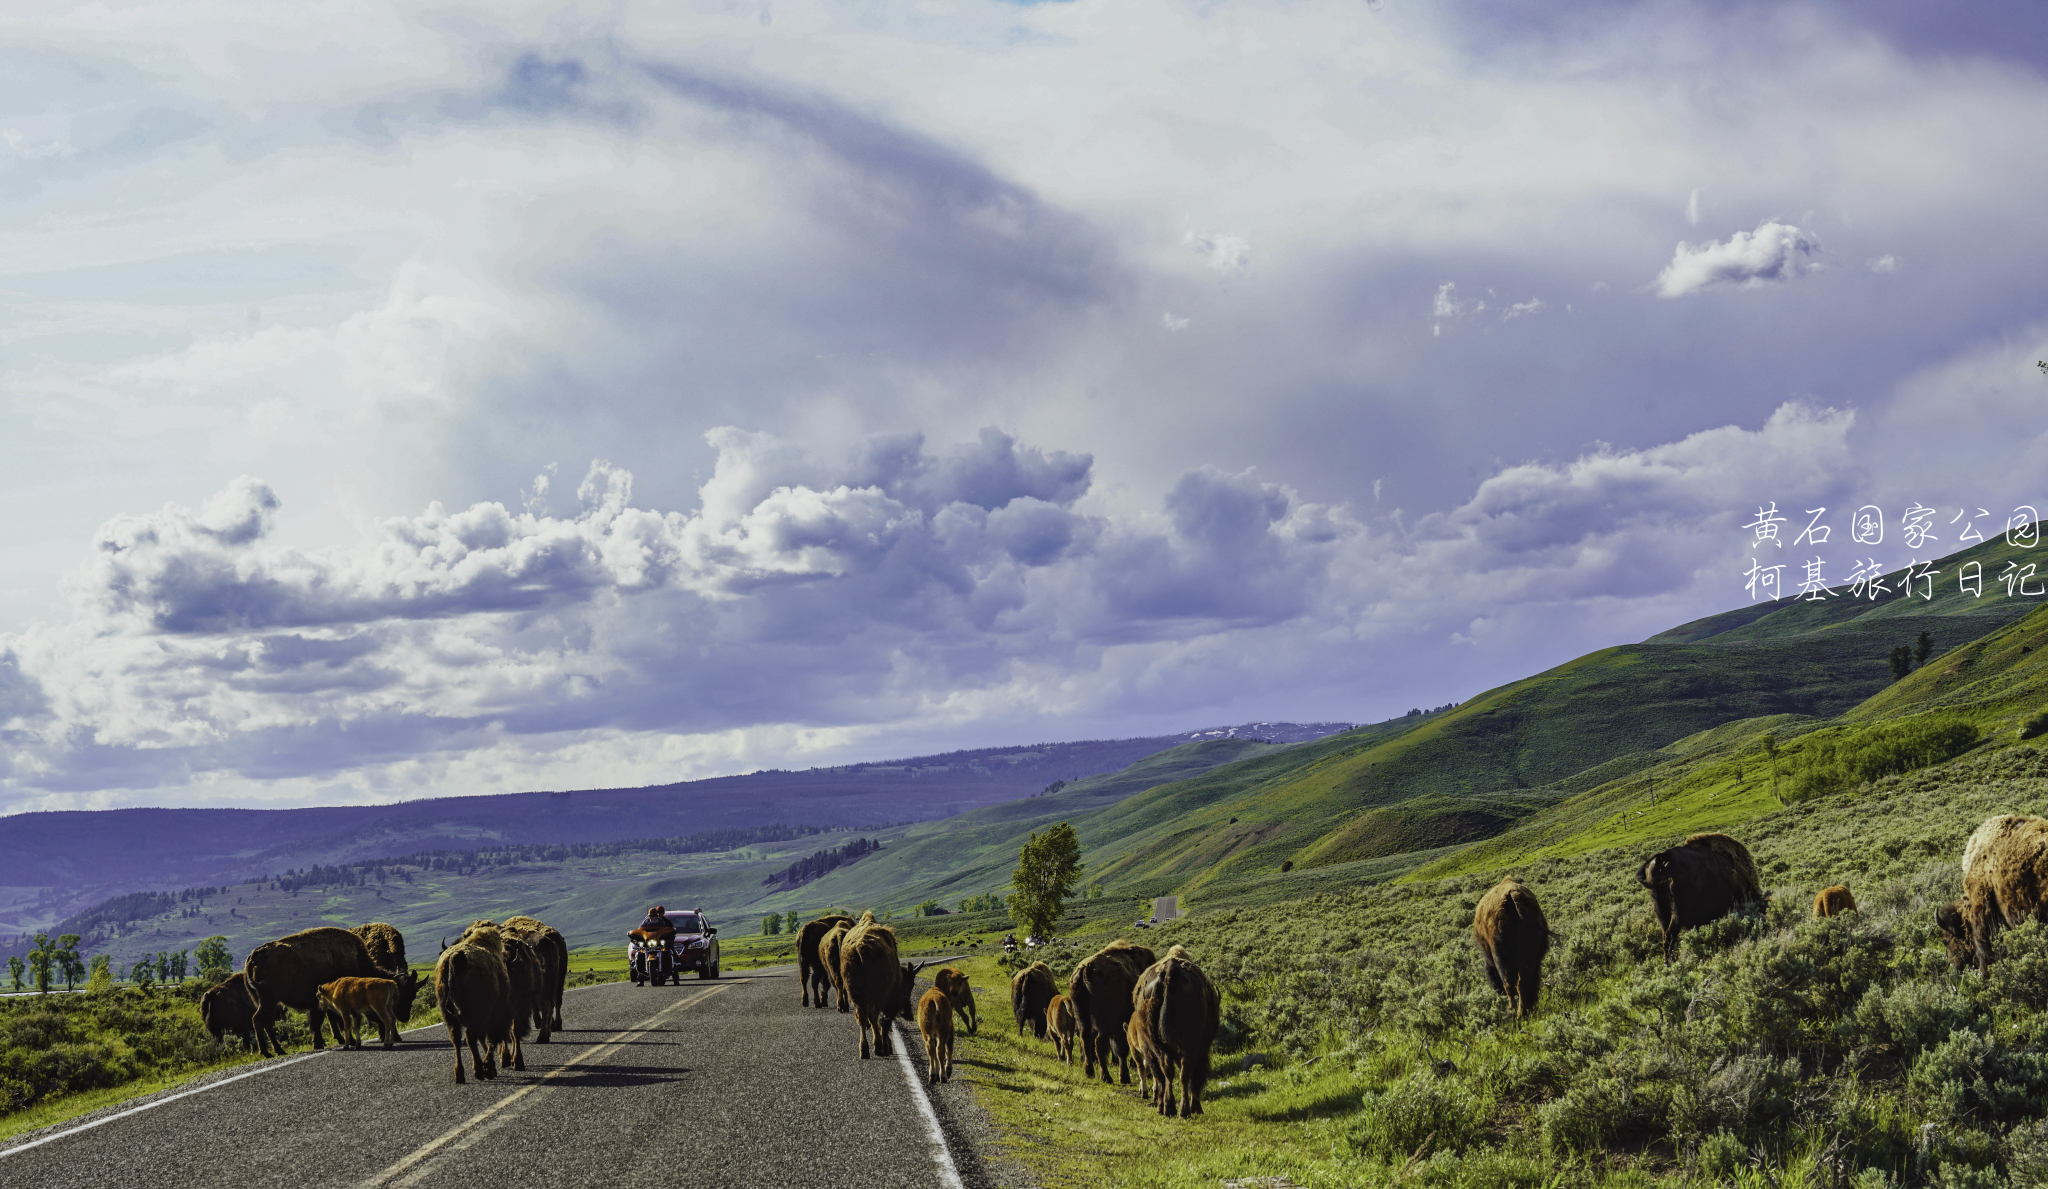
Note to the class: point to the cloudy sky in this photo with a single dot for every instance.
(418, 399)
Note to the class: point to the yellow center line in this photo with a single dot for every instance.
(398, 1169)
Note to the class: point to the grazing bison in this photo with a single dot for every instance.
(953, 981)
(475, 994)
(1063, 1025)
(1175, 1015)
(935, 1024)
(387, 952)
(878, 984)
(828, 953)
(1702, 879)
(1513, 938)
(289, 972)
(553, 951)
(812, 971)
(228, 1008)
(348, 999)
(2005, 882)
(1835, 901)
(1101, 990)
(1032, 990)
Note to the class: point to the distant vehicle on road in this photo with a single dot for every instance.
(657, 959)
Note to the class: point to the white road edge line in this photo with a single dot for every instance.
(949, 1175)
(136, 1110)
(460, 1131)
(6, 1152)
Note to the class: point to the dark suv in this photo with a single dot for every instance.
(694, 947)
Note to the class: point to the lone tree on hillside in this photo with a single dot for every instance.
(1922, 649)
(1048, 867)
(1902, 661)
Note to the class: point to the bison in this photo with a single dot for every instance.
(1062, 1024)
(553, 951)
(1142, 1056)
(1702, 879)
(812, 971)
(475, 994)
(387, 952)
(1032, 989)
(348, 999)
(228, 1007)
(953, 981)
(828, 953)
(1101, 990)
(2005, 882)
(1513, 938)
(1175, 1014)
(1834, 901)
(289, 972)
(935, 1024)
(878, 984)
(523, 985)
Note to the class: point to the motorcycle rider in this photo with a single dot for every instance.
(657, 925)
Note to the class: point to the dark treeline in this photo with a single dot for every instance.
(806, 869)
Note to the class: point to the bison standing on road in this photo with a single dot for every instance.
(1101, 990)
(1063, 1024)
(935, 1024)
(829, 954)
(553, 951)
(475, 994)
(1032, 990)
(525, 981)
(289, 972)
(348, 999)
(877, 983)
(228, 1007)
(1831, 902)
(2005, 882)
(812, 971)
(1513, 938)
(1176, 1015)
(953, 981)
(1702, 879)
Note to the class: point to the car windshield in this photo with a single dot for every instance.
(685, 922)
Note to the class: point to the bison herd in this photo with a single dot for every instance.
(497, 983)
(1123, 1003)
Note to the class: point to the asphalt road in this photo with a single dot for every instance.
(727, 1083)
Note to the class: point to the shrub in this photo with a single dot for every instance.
(1396, 1123)
(1832, 763)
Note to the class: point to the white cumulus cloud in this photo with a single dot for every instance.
(1773, 252)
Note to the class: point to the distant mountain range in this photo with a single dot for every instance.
(59, 863)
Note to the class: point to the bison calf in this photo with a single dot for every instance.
(347, 999)
(953, 981)
(2005, 882)
(935, 1023)
(1513, 937)
(1702, 879)
(1833, 901)
(1064, 1025)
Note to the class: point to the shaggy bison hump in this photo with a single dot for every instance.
(2005, 882)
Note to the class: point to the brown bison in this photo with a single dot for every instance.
(1101, 989)
(1032, 990)
(953, 981)
(552, 949)
(935, 1024)
(349, 999)
(475, 994)
(1513, 938)
(1062, 1024)
(1142, 1056)
(812, 971)
(228, 1008)
(878, 984)
(289, 972)
(1835, 901)
(387, 952)
(829, 954)
(2005, 882)
(1702, 879)
(1175, 1014)
(524, 975)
